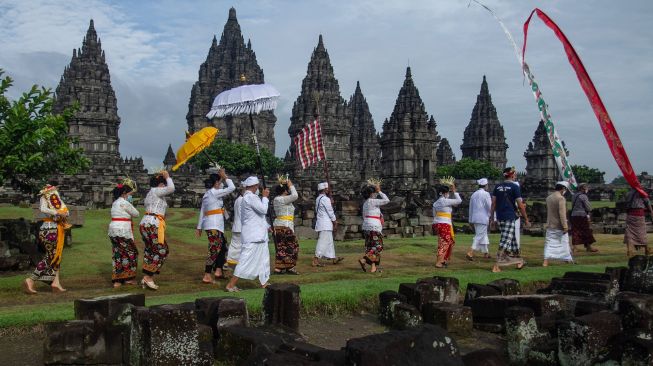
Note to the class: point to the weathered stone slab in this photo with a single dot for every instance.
(637, 351)
(484, 357)
(506, 286)
(106, 308)
(604, 289)
(636, 310)
(424, 345)
(522, 335)
(387, 302)
(475, 290)
(639, 277)
(453, 318)
(447, 287)
(584, 340)
(406, 316)
(237, 343)
(220, 312)
(281, 305)
(618, 274)
(494, 307)
(77, 342)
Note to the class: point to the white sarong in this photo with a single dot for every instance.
(518, 232)
(325, 247)
(233, 255)
(254, 262)
(481, 240)
(556, 245)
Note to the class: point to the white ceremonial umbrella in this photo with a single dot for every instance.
(250, 99)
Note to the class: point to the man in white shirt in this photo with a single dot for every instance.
(325, 225)
(480, 204)
(255, 255)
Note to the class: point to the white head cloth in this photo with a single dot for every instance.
(323, 185)
(482, 182)
(251, 181)
(563, 183)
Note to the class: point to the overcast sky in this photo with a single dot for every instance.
(154, 50)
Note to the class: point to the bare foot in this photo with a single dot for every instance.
(28, 285)
(117, 284)
(545, 263)
(496, 269)
(58, 288)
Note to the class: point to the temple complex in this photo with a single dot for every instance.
(229, 63)
(409, 141)
(320, 94)
(484, 138)
(541, 170)
(365, 147)
(445, 154)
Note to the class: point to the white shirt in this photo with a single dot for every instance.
(155, 202)
(252, 216)
(122, 209)
(212, 200)
(480, 204)
(236, 227)
(445, 205)
(283, 207)
(324, 213)
(371, 207)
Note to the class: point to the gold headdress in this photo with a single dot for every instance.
(449, 181)
(47, 189)
(282, 179)
(214, 168)
(157, 169)
(375, 181)
(130, 183)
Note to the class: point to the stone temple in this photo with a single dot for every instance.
(409, 141)
(484, 138)
(445, 154)
(365, 147)
(229, 63)
(320, 86)
(541, 170)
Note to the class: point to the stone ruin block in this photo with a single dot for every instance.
(221, 312)
(387, 302)
(419, 346)
(244, 345)
(106, 308)
(77, 342)
(636, 310)
(585, 306)
(305, 232)
(484, 357)
(489, 311)
(639, 277)
(475, 290)
(585, 284)
(447, 287)
(618, 274)
(506, 286)
(584, 340)
(406, 316)
(526, 344)
(281, 305)
(637, 351)
(453, 318)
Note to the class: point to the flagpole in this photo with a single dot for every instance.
(258, 150)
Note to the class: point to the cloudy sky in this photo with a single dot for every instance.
(154, 50)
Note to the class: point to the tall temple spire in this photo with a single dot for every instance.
(226, 61)
(321, 84)
(86, 80)
(541, 169)
(364, 139)
(409, 141)
(170, 159)
(445, 153)
(484, 137)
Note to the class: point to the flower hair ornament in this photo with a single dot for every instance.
(158, 169)
(282, 179)
(214, 168)
(449, 181)
(375, 181)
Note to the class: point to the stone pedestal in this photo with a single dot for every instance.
(282, 304)
(387, 302)
(453, 318)
(584, 340)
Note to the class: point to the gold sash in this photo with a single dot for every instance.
(161, 233)
(448, 216)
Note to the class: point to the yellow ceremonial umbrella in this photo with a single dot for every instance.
(195, 143)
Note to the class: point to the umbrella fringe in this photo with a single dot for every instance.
(257, 106)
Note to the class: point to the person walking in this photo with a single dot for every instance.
(480, 204)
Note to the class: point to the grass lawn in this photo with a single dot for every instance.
(86, 270)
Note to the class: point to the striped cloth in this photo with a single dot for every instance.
(308, 144)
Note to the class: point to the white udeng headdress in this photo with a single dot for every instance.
(323, 185)
(251, 181)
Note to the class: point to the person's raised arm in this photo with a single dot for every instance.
(221, 192)
(260, 206)
(45, 208)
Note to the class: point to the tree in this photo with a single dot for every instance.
(585, 174)
(237, 158)
(619, 180)
(34, 142)
(467, 168)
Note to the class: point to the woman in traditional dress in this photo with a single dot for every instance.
(442, 223)
(373, 225)
(121, 234)
(235, 245)
(211, 219)
(635, 235)
(51, 236)
(581, 231)
(285, 241)
(153, 227)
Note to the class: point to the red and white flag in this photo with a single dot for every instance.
(308, 144)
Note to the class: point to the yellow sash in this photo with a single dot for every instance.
(286, 218)
(61, 237)
(219, 211)
(448, 216)
(161, 233)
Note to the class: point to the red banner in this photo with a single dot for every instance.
(308, 144)
(610, 133)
